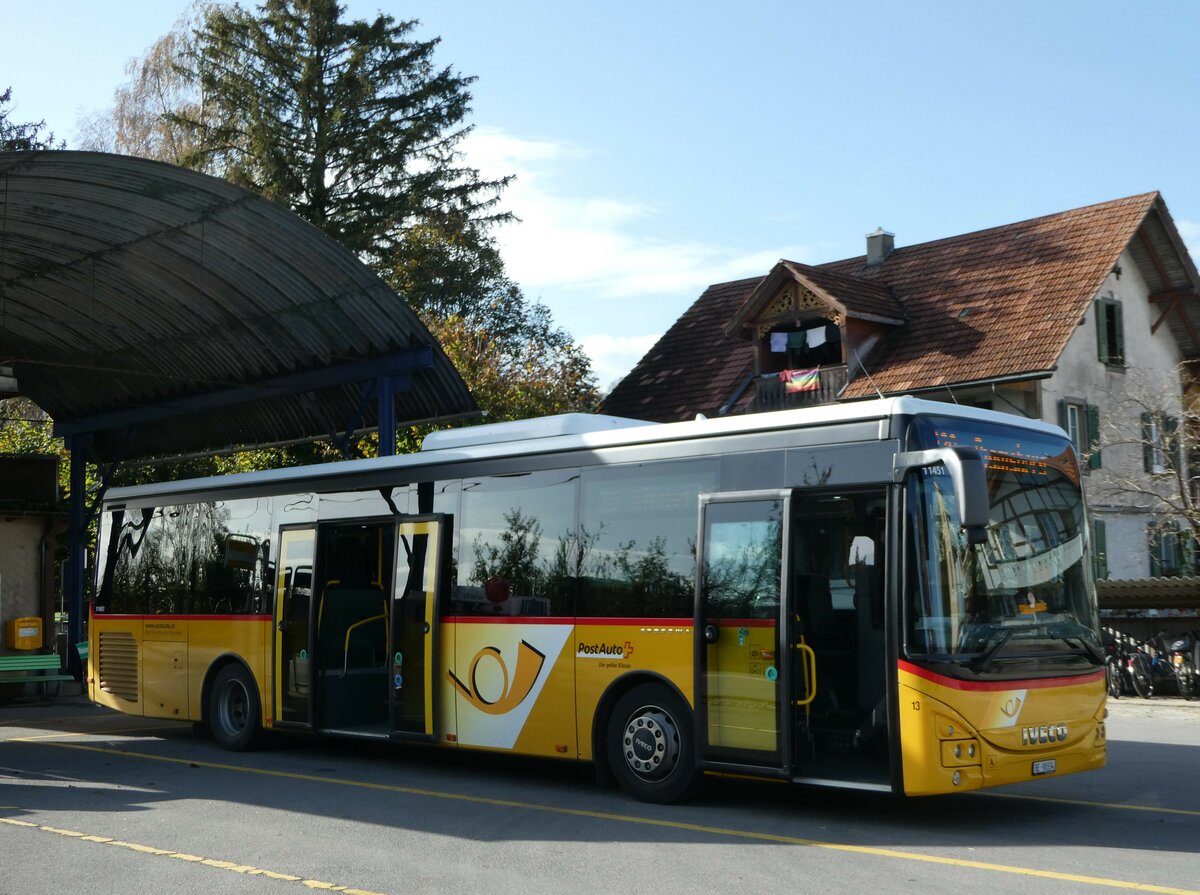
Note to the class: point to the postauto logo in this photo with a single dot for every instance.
(604, 650)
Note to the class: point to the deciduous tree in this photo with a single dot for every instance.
(160, 87)
(1149, 446)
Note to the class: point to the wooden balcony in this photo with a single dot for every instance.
(770, 394)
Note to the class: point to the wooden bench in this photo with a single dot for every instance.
(39, 668)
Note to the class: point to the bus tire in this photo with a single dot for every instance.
(233, 709)
(651, 745)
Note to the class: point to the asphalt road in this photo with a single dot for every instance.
(92, 801)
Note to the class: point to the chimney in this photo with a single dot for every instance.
(879, 246)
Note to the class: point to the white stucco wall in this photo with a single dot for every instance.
(1151, 367)
(20, 567)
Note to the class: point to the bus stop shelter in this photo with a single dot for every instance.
(155, 311)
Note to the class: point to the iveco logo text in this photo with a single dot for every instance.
(604, 651)
(1053, 733)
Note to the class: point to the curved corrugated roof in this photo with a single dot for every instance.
(128, 284)
(1148, 593)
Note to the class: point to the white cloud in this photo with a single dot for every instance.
(591, 242)
(614, 356)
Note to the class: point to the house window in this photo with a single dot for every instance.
(1074, 427)
(818, 344)
(1171, 550)
(1110, 332)
(1082, 423)
(1159, 443)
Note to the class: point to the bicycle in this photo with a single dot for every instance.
(1140, 670)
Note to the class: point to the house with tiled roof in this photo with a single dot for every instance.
(1056, 318)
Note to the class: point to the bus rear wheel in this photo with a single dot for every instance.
(233, 709)
(651, 746)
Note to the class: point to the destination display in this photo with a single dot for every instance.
(1002, 449)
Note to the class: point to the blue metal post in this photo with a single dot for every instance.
(76, 554)
(385, 391)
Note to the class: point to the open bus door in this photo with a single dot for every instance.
(293, 620)
(790, 646)
(743, 670)
(420, 558)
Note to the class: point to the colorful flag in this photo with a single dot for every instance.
(800, 380)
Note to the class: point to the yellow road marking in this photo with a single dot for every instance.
(644, 821)
(1119, 806)
(231, 866)
(86, 733)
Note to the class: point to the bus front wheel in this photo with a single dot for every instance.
(651, 746)
(233, 710)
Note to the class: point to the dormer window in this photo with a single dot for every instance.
(815, 343)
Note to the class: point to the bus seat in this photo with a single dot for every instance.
(814, 608)
(818, 624)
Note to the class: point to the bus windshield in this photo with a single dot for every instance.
(1022, 603)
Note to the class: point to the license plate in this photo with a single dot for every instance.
(1047, 766)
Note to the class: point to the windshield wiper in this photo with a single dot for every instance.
(980, 662)
(1094, 655)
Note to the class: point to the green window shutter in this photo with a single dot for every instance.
(1101, 332)
(1093, 435)
(1099, 549)
(1155, 551)
(1062, 414)
(1118, 334)
(1147, 444)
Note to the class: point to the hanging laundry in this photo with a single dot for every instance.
(779, 342)
(815, 337)
(800, 380)
(796, 341)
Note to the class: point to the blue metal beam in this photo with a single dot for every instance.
(397, 364)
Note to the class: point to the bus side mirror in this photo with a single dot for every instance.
(965, 468)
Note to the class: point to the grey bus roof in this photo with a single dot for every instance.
(617, 432)
(524, 430)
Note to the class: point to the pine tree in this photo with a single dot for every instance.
(348, 123)
(23, 135)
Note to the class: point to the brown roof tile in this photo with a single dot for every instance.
(992, 303)
(860, 297)
(694, 367)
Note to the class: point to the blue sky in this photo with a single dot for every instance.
(663, 146)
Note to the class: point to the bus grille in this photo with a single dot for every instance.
(119, 664)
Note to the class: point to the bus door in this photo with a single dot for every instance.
(836, 619)
(421, 543)
(293, 623)
(743, 680)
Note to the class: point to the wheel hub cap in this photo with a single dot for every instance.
(650, 744)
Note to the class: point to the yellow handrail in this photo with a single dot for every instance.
(809, 658)
(349, 631)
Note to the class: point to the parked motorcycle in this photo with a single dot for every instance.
(1176, 654)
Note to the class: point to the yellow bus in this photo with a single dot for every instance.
(892, 595)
